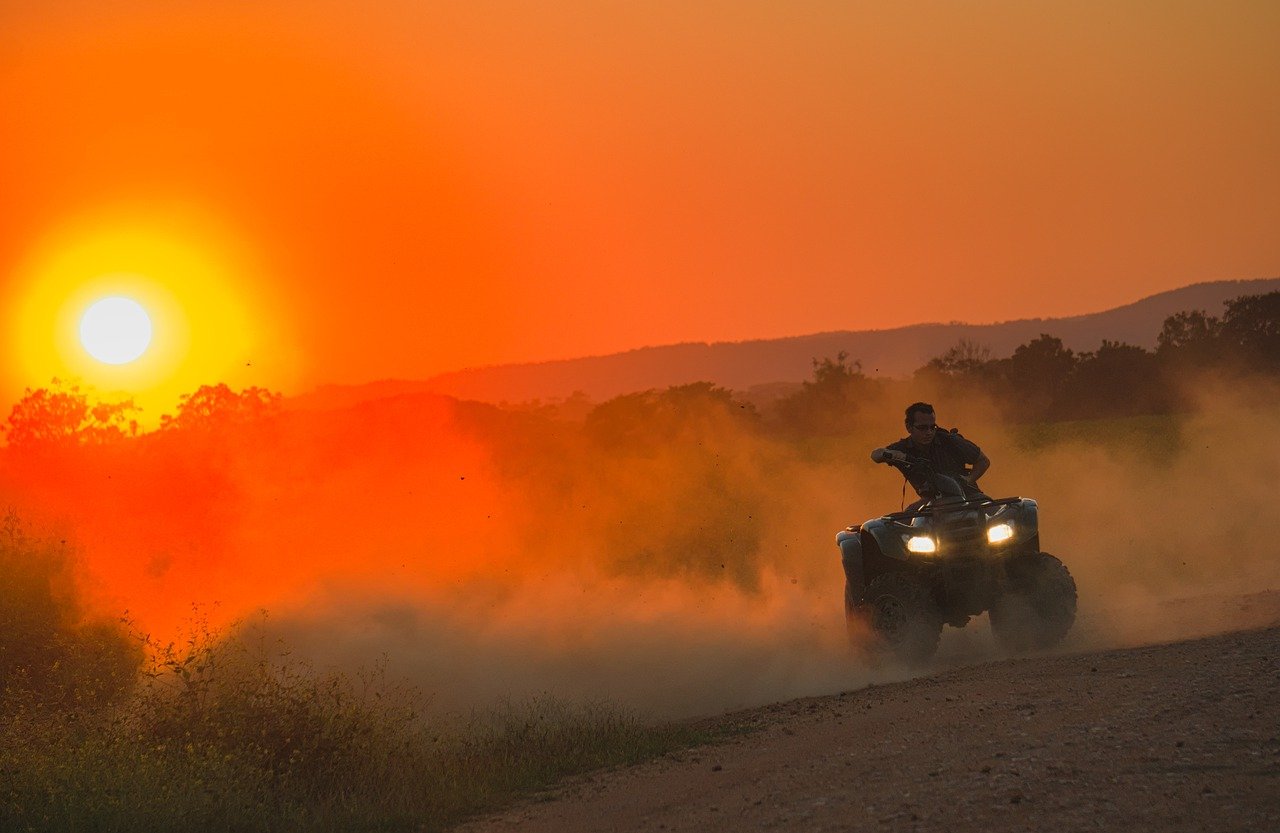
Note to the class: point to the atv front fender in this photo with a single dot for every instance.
(888, 538)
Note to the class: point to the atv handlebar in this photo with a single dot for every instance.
(886, 455)
(938, 485)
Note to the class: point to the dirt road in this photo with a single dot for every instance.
(1170, 737)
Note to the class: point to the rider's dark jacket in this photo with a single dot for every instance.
(948, 454)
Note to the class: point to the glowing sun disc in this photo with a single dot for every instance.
(115, 330)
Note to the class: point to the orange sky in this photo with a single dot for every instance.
(396, 189)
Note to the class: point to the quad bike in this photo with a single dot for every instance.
(956, 555)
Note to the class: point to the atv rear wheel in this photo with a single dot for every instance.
(1040, 608)
(903, 617)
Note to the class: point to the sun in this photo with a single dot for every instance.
(115, 330)
(144, 307)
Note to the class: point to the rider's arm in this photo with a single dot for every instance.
(980, 467)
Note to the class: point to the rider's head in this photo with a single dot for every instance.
(921, 422)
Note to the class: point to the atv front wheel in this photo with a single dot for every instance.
(1039, 608)
(903, 617)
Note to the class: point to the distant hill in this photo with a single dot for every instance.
(746, 364)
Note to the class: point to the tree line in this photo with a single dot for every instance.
(1046, 381)
(65, 414)
(1043, 380)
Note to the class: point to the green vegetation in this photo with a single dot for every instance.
(298, 753)
(1157, 436)
(222, 734)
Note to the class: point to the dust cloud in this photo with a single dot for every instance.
(678, 561)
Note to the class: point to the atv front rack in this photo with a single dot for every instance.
(927, 511)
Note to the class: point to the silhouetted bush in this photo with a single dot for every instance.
(51, 655)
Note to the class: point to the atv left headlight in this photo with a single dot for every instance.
(921, 544)
(999, 533)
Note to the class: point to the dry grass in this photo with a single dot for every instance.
(223, 738)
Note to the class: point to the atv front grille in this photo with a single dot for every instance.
(964, 531)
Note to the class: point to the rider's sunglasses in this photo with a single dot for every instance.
(930, 427)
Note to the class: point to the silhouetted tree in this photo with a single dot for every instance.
(1036, 376)
(1251, 330)
(828, 403)
(1185, 328)
(967, 358)
(965, 368)
(217, 406)
(641, 420)
(1115, 380)
(1191, 338)
(64, 415)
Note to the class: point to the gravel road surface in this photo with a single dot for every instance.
(1177, 736)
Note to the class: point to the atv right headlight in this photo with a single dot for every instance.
(999, 533)
(921, 544)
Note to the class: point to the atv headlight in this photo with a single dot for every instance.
(922, 544)
(999, 533)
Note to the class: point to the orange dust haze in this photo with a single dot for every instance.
(680, 566)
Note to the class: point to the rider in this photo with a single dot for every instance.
(948, 454)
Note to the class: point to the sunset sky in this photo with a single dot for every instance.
(310, 192)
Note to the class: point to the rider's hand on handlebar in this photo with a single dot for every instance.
(886, 455)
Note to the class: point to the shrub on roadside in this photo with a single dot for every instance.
(51, 655)
(224, 734)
